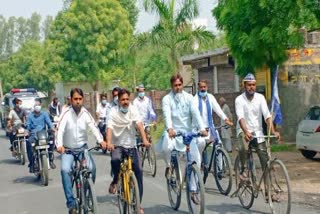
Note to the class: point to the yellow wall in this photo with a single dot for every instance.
(263, 78)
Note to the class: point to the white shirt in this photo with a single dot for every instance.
(180, 113)
(103, 110)
(123, 126)
(14, 116)
(213, 105)
(145, 109)
(73, 128)
(252, 112)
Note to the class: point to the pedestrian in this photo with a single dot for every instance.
(226, 132)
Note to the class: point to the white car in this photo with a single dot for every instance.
(308, 134)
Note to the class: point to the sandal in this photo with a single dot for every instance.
(112, 188)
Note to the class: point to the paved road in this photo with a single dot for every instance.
(21, 193)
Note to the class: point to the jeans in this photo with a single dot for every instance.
(66, 171)
(117, 156)
(29, 142)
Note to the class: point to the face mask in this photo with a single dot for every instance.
(17, 105)
(37, 108)
(203, 93)
(104, 102)
(141, 94)
(124, 110)
(178, 96)
(115, 100)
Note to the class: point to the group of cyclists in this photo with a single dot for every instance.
(182, 112)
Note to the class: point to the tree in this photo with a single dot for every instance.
(34, 27)
(174, 31)
(88, 38)
(26, 68)
(131, 8)
(46, 26)
(259, 32)
(21, 31)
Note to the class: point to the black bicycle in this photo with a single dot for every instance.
(219, 165)
(82, 184)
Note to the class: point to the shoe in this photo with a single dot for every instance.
(72, 210)
(195, 198)
(113, 188)
(168, 173)
(52, 165)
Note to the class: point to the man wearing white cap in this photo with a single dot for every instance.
(144, 104)
(250, 107)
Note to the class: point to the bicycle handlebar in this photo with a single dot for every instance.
(188, 136)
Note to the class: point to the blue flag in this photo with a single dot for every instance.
(275, 101)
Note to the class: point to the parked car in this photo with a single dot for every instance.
(308, 134)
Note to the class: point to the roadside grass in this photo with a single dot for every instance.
(283, 148)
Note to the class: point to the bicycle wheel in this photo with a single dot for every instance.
(121, 197)
(76, 189)
(90, 199)
(134, 200)
(244, 188)
(222, 171)
(279, 191)
(152, 160)
(195, 190)
(174, 184)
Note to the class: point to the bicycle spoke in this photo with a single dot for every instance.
(222, 171)
(279, 188)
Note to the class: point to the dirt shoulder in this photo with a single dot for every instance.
(304, 176)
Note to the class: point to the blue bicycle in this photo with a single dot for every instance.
(192, 179)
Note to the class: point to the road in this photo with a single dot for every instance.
(21, 193)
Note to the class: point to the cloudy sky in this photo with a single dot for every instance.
(50, 7)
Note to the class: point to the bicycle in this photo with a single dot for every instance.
(275, 176)
(127, 188)
(82, 184)
(147, 153)
(192, 176)
(219, 165)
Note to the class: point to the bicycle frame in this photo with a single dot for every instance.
(125, 171)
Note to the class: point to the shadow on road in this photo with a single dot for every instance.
(10, 161)
(163, 209)
(212, 191)
(230, 208)
(29, 180)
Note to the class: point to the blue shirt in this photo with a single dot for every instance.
(38, 122)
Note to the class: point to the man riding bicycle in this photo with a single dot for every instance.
(179, 112)
(144, 104)
(207, 103)
(102, 113)
(250, 108)
(122, 133)
(72, 134)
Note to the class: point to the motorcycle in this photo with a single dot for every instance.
(40, 149)
(19, 144)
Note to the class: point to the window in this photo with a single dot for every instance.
(313, 114)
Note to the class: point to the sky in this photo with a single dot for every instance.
(51, 7)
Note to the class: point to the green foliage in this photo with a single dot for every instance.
(174, 31)
(131, 8)
(26, 68)
(259, 32)
(88, 38)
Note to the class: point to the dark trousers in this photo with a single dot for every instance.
(118, 155)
